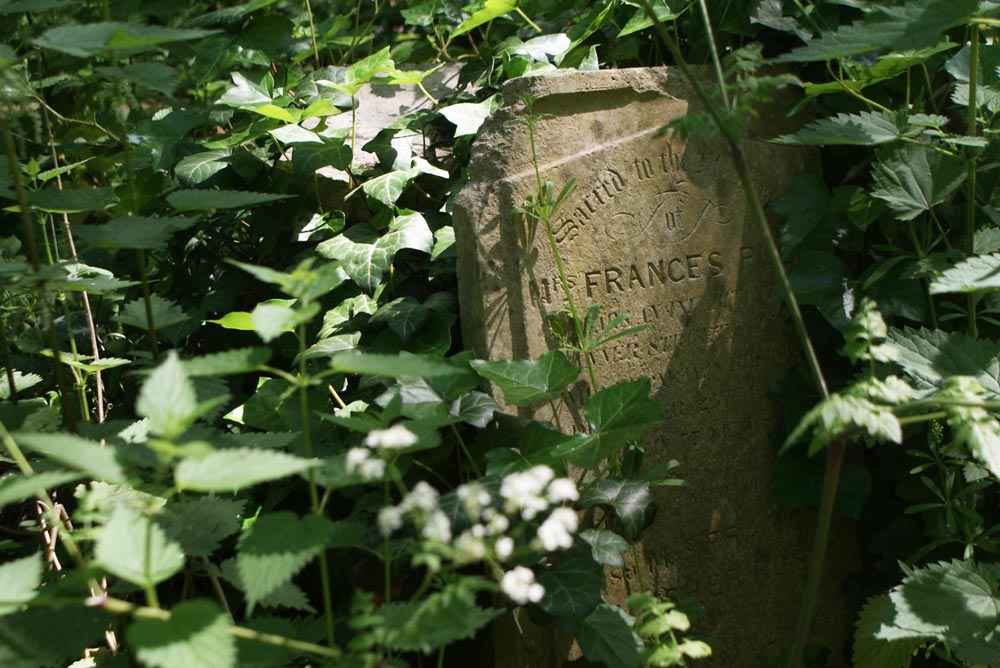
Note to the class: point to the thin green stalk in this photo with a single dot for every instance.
(312, 33)
(716, 63)
(970, 169)
(324, 566)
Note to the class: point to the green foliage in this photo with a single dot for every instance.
(196, 634)
(133, 547)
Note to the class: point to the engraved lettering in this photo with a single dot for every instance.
(611, 276)
(634, 277)
(591, 279)
(678, 277)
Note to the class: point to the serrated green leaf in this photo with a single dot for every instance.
(388, 187)
(14, 488)
(155, 76)
(866, 128)
(606, 547)
(440, 619)
(841, 414)
(76, 452)
(606, 636)
(19, 580)
(910, 25)
(23, 646)
(165, 313)
(133, 547)
(168, 400)
(912, 179)
(22, 381)
(491, 9)
(631, 500)
(974, 274)
(200, 167)
(206, 200)
(873, 652)
(133, 232)
(55, 200)
(931, 356)
(199, 526)
(227, 362)
(617, 415)
(79, 277)
(272, 320)
(235, 469)
(275, 548)
(572, 584)
(195, 636)
(526, 382)
(404, 365)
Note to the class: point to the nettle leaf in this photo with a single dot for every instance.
(491, 9)
(932, 356)
(72, 201)
(168, 399)
(572, 584)
(272, 320)
(526, 382)
(22, 645)
(166, 312)
(206, 200)
(94, 280)
(275, 548)
(22, 381)
(366, 256)
(955, 602)
(911, 25)
(95, 460)
(199, 526)
(227, 362)
(235, 469)
(631, 500)
(196, 635)
(404, 365)
(388, 187)
(200, 167)
(617, 415)
(133, 547)
(133, 232)
(607, 636)
(872, 652)
(606, 547)
(91, 39)
(866, 128)
(912, 179)
(438, 620)
(156, 76)
(974, 274)
(19, 580)
(14, 488)
(840, 415)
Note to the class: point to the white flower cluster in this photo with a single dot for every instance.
(395, 437)
(520, 586)
(361, 462)
(421, 504)
(526, 492)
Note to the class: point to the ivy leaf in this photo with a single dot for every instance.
(14, 488)
(199, 526)
(206, 200)
(404, 316)
(607, 636)
(19, 580)
(165, 313)
(572, 584)
(244, 94)
(617, 415)
(872, 652)
(388, 187)
(631, 500)
(526, 382)
(133, 547)
(491, 9)
(168, 399)
(440, 619)
(468, 117)
(307, 158)
(234, 469)
(76, 452)
(606, 547)
(866, 128)
(366, 256)
(931, 356)
(475, 408)
(196, 635)
(911, 25)
(133, 232)
(275, 548)
(200, 167)
(974, 274)
(912, 179)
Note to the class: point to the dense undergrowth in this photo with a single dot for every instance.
(238, 424)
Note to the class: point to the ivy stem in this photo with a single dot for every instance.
(324, 566)
(970, 170)
(835, 452)
(312, 32)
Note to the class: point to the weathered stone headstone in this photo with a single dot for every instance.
(657, 228)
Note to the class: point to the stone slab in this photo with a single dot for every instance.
(657, 228)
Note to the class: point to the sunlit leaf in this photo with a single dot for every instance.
(133, 547)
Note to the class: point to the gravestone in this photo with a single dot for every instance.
(656, 228)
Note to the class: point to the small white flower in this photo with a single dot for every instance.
(355, 457)
(390, 518)
(360, 461)
(422, 497)
(469, 547)
(474, 499)
(395, 437)
(562, 489)
(496, 523)
(557, 531)
(478, 530)
(504, 547)
(437, 528)
(523, 491)
(520, 586)
(372, 469)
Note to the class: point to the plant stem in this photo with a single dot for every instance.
(970, 170)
